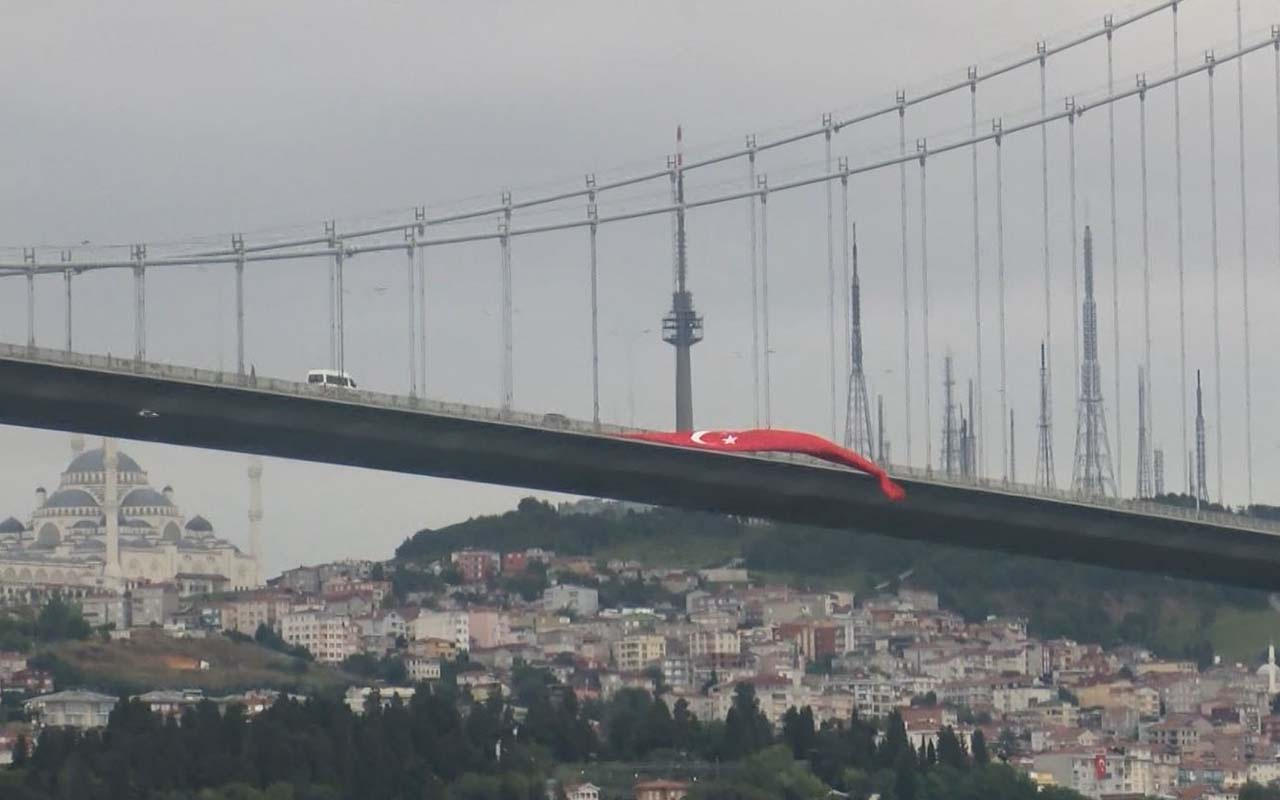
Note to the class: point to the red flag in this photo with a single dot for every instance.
(776, 441)
(1100, 766)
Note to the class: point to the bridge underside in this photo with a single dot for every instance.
(322, 430)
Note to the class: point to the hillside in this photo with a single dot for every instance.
(1175, 617)
(151, 660)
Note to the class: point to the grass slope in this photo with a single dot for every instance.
(151, 660)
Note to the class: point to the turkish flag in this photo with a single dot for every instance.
(1100, 766)
(777, 441)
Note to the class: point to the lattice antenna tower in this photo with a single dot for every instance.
(1092, 475)
(857, 417)
(1157, 465)
(1044, 451)
(950, 433)
(1146, 489)
(1201, 486)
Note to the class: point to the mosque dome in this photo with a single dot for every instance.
(95, 461)
(142, 497)
(71, 498)
(12, 525)
(199, 524)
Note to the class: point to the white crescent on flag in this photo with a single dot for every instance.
(696, 437)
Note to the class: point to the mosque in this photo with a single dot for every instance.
(106, 529)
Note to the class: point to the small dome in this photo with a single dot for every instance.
(71, 498)
(85, 524)
(144, 496)
(199, 524)
(12, 525)
(95, 461)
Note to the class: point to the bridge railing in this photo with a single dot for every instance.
(561, 423)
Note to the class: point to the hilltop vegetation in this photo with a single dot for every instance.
(1174, 617)
(151, 660)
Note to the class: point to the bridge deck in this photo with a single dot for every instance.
(202, 408)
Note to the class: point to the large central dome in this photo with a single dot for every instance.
(95, 461)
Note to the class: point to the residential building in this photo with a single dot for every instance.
(582, 791)
(661, 790)
(358, 697)
(488, 627)
(452, 626)
(634, 653)
(422, 669)
(330, 638)
(72, 709)
(476, 566)
(581, 601)
(151, 604)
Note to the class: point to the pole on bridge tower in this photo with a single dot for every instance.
(1042, 53)
(831, 282)
(762, 183)
(237, 244)
(411, 246)
(29, 257)
(1213, 239)
(755, 277)
(1075, 250)
(330, 231)
(1182, 283)
(66, 276)
(1244, 264)
(922, 147)
(1145, 429)
(593, 216)
(977, 421)
(508, 367)
(906, 282)
(1007, 444)
(682, 327)
(337, 299)
(139, 255)
(420, 254)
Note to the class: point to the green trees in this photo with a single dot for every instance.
(746, 729)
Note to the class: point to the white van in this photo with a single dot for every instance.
(330, 378)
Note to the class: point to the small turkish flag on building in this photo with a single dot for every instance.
(1100, 766)
(776, 441)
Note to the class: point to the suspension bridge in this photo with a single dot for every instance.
(920, 199)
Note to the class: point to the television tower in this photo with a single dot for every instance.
(1201, 486)
(1092, 475)
(1145, 489)
(857, 416)
(682, 327)
(1044, 452)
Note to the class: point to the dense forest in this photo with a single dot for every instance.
(441, 744)
(1088, 603)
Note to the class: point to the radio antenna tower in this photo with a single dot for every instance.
(682, 327)
(1145, 488)
(1201, 486)
(1157, 464)
(950, 451)
(1044, 453)
(857, 416)
(1092, 475)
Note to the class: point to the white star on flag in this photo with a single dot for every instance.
(730, 439)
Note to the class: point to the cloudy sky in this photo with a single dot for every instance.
(176, 123)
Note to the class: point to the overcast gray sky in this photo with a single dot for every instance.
(161, 122)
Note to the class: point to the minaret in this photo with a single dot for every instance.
(1271, 669)
(255, 517)
(111, 508)
(1092, 475)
